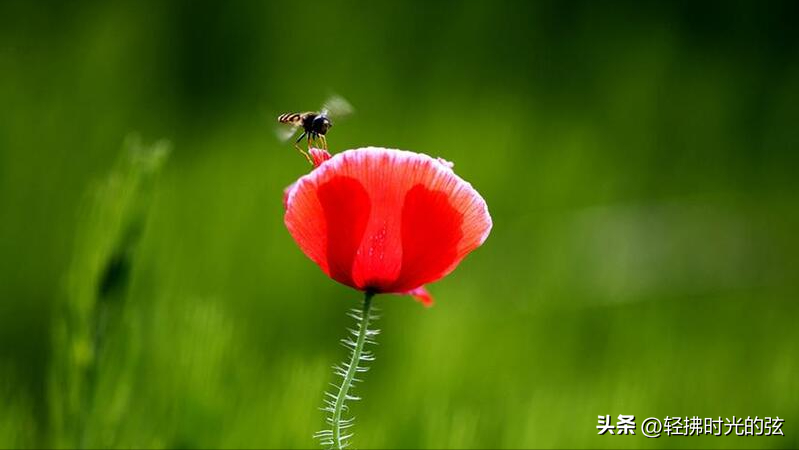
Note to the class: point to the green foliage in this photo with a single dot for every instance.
(95, 343)
(17, 425)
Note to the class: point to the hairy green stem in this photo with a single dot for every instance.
(351, 370)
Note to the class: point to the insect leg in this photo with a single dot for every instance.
(323, 138)
(313, 137)
(296, 145)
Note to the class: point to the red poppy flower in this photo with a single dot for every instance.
(385, 221)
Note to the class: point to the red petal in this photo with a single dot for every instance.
(431, 230)
(346, 207)
(443, 161)
(286, 195)
(386, 220)
(421, 295)
(318, 156)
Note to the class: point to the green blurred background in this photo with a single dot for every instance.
(639, 160)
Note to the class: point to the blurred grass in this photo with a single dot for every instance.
(638, 160)
(95, 343)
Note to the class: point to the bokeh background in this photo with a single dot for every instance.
(639, 160)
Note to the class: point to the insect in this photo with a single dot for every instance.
(314, 124)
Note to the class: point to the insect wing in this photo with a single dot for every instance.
(285, 132)
(337, 107)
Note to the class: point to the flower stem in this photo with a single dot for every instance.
(336, 403)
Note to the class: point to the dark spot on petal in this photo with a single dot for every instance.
(346, 206)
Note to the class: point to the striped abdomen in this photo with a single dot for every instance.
(292, 118)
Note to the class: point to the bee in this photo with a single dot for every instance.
(314, 124)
